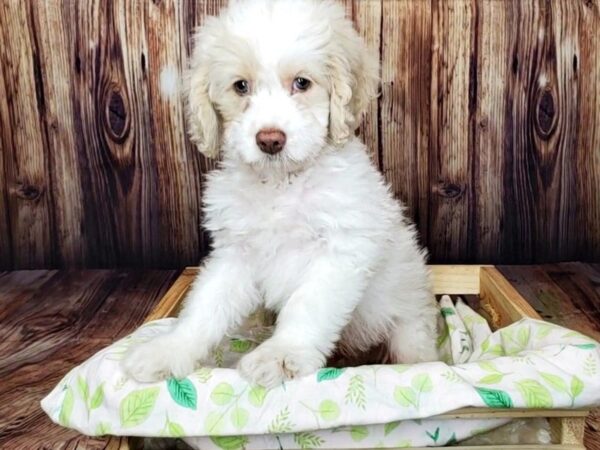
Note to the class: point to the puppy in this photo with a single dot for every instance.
(301, 220)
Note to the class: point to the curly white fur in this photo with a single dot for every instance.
(312, 232)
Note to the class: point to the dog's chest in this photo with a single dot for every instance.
(283, 211)
(270, 215)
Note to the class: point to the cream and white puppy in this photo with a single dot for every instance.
(302, 222)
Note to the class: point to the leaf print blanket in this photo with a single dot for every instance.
(529, 364)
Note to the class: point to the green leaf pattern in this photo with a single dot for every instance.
(308, 440)
(136, 407)
(329, 373)
(183, 392)
(534, 394)
(230, 442)
(495, 398)
(281, 423)
(67, 407)
(355, 394)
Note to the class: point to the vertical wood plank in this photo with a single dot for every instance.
(6, 258)
(554, 107)
(178, 162)
(65, 189)
(367, 16)
(540, 134)
(83, 22)
(519, 183)
(115, 150)
(130, 151)
(494, 29)
(587, 148)
(405, 105)
(449, 154)
(24, 139)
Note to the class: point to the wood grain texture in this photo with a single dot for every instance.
(406, 49)
(587, 67)
(455, 279)
(567, 294)
(52, 321)
(487, 128)
(26, 182)
(449, 225)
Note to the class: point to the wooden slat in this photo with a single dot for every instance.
(123, 165)
(567, 430)
(165, 60)
(510, 447)
(591, 436)
(501, 300)
(490, 68)
(27, 183)
(518, 225)
(587, 69)
(405, 106)
(553, 115)
(450, 279)
(65, 185)
(540, 129)
(455, 279)
(171, 301)
(453, 25)
(515, 413)
(6, 244)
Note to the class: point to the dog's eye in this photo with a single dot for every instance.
(242, 87)
(301, 84)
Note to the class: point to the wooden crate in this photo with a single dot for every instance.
(496, 299)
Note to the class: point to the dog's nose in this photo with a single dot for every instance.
(270, 140)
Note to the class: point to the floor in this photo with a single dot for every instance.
(51, 321)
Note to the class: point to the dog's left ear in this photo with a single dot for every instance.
(354, 79)
(203, 121)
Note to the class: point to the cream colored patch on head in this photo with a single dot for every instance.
(169, 82)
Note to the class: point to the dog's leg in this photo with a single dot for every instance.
(309, 324)
(413, 339)
(222, 296)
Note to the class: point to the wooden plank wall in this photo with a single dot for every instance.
(487, 127)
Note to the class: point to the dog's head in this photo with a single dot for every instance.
(275, 81)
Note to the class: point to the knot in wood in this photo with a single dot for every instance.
(449, 190)
(27, 191)
(545, 114)
(117, 119)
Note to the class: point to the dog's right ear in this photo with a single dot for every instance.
(202, 119)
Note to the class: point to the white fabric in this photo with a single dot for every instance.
(530, 364)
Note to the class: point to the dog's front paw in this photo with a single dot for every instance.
(271, 363)
(158, 359)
